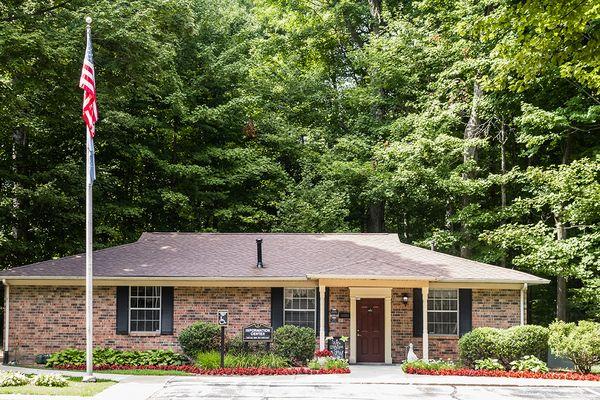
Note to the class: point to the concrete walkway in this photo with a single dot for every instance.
(363, 379)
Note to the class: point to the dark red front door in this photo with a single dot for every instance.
(369, 330)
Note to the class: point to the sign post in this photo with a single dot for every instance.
(223, 320)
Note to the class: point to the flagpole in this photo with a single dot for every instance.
(89, 300)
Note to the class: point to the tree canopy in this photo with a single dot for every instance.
(468, 126)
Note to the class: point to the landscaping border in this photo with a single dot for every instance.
(192, 369)
(572, 376)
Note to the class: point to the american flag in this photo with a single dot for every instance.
(90, 112)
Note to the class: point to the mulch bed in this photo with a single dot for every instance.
(572, 376)
(218, 371)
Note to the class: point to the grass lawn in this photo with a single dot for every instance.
(75, 388)
(158, 372)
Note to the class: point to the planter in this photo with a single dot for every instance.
(506, 374)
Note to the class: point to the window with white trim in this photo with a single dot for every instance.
(299, 307)
(442, 312)
(144, 308)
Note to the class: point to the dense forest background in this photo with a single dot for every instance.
(468, 126)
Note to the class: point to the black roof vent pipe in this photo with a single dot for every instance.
(259, 260)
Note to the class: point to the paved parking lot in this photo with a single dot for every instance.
(185, 389)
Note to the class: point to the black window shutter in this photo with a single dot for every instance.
(122, 310)
(318, 312)
(276, 307)
(327, 311)
(166, 311)
(417, 312)
(464, 310)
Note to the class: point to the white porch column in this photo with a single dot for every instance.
(322, 317)
(425, 292)
(6, 320)
(352, 329)
(388, 329)
(523, 300)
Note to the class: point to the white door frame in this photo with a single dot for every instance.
(356, 293)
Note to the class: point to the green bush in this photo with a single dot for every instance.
(199, 337)
(435, 365)
(314, 364)
(51, 380)
(505, 345)
(529, 363)
(294, 344)
(335, 363)
(521, 341)
(490, 364)
(266, 360)
(479, 344)
(236, 346)
(579, 343)
(208, 359)
(116, 357)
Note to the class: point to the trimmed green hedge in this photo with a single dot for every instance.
(579, 343)
(294, 344)
(505, 345)
(107, 356)
(199, 337)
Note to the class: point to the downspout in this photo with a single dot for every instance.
(523, 300)
(6, 320)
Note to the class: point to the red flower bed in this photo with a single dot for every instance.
(573, 376)
(323, 353)
(192, 369)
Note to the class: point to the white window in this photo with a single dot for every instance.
(144, 308)
(442, 312)
(299, 307)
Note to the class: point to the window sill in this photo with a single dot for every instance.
(144, 334)
(436, 336)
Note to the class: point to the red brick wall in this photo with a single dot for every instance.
(48, 319)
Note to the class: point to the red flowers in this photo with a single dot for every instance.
(323, 353)
(192, 369)
(506, 374)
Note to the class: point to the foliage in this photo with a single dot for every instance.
(504, 345)
(529, 363)
(13, 379)
(296, 344)
(335, 363)
(314, 365)
(433, 365)
(52, 380)
(200, 336)
(107, 356)
(208, 359)
(579, 343)
(491, 364)
(194, 369)
(266, 360)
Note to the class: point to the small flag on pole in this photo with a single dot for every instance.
(90, 112)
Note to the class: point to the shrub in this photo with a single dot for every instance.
(116, 357)
(529, 363)
(579, 343)
(490, 364)
(430, 365)
(49, 380)
(293, 343)
(521, 341)
(314, 364)
(208, 359)
(479, 344)
(335, 363)
(199, 337)
(13, 379)
(236, 345)
(505, 345)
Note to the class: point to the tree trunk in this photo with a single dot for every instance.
(561, 282)
(503, 140)
(470, 154)
(18, 149)
(375, 7)
(375, 217)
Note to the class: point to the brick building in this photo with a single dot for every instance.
(378, 292)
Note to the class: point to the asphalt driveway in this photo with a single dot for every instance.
(188, 389)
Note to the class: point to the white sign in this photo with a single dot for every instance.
(222, 317)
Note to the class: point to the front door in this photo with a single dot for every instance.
(370, 330)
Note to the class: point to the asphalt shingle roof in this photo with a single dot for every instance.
(285, 255)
